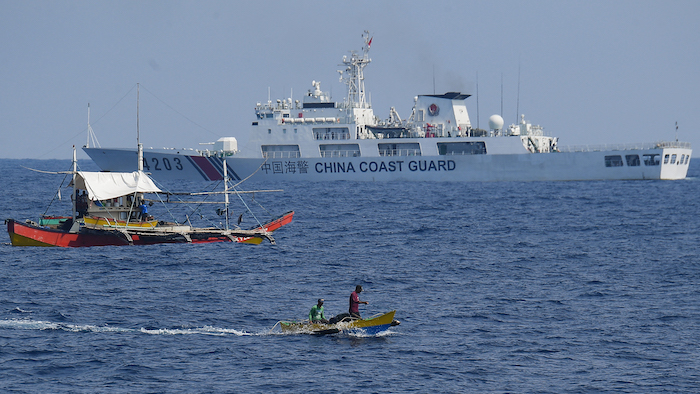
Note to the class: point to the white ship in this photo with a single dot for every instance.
(318, 139)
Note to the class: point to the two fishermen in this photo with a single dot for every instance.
(316, 315)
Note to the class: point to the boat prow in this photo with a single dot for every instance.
(269, 227)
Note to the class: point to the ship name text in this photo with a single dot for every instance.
(385, 166)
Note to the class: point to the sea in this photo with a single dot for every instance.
(505, 287)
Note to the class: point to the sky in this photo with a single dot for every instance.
(590, 72)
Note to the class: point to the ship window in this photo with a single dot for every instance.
(462, 148)
(331, 133)
(632, 160)
(682, 160)
(269, 116)
(295, 131)
(673, 158)
(284, 131)
(280, 151)
(407, 149)
(651, 159)
(420, 115)
(666, 159)
(687, 159)
(255, 123)
(339, 150)
(285, 115)
(269, 131)
(613, 161)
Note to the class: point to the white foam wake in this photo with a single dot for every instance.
(27, 324)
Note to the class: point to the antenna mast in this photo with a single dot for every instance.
(501, 94)
(517, 105)
(676, 131)
(353, 75)
(477, 99)
(138, 134)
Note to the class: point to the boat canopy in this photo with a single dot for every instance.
(106, 185)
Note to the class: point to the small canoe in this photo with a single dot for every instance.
(369, 326)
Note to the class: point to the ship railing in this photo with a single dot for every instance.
(281, 155)
(331, 136)
(464, 152)
(614, 147)
(340, 153)
(399, 152)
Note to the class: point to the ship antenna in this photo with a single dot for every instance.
(517, 105)
(91, 134)
(138, 133)
(87, 144)
(676, 131)
(501, 94)
(353, 75)
(477, 100)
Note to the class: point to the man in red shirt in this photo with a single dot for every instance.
(355, 302)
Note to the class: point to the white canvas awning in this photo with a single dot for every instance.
(105, 185)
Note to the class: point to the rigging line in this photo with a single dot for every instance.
(172, 216)
(179, 113)
(246, 178)
(55, 194)
(59, 186)
(260, 205)
(117, 103)
(250, 210)
(160, 186)
(85, 129)
(47, 172)
(197, 208)
(166, 207)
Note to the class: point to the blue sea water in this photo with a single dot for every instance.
(546, 287)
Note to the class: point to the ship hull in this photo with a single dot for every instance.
(556, 166)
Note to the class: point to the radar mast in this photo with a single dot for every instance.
(353, 75)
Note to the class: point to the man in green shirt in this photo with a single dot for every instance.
(316, 314)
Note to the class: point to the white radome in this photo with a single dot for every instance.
(496, 122)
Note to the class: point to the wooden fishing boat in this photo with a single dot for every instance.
(28, 234)
(369, 326)
(111, 210)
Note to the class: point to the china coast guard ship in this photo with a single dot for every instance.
(319, 139)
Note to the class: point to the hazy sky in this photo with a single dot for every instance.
(591, 72)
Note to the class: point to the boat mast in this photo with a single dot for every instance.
(226, 193)
(138, 135)
(74, 198)
(91, 134)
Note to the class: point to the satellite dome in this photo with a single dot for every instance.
(495, 122)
